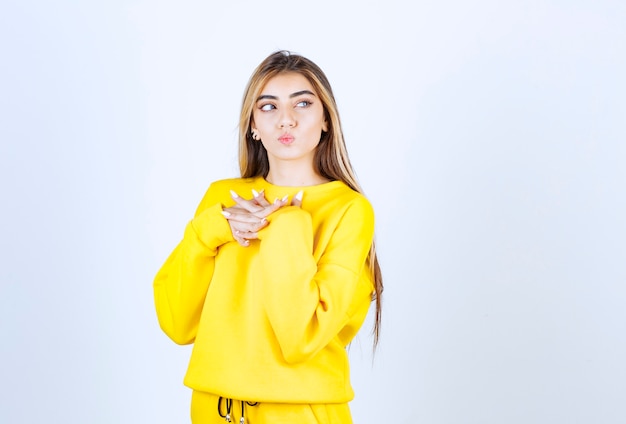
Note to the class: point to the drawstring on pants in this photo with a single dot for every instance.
(229, 408)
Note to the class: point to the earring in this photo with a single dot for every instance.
(255, 135)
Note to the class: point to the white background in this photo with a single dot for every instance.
(490, 137)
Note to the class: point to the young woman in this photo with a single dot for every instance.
(275, 273)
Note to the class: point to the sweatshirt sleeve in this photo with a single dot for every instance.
(181, 284)
(308, 303)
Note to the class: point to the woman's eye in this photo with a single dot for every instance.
(267, 107)
(303, 103)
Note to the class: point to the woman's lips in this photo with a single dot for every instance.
(286, 139)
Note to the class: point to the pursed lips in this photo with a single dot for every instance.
(286, 138)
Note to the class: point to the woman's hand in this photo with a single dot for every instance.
(248, 217)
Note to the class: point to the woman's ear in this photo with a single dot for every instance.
(255, 134)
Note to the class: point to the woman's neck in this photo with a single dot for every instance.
(294, 176)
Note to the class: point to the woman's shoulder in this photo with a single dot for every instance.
(345, 193)
(343, 199)
(360, 205)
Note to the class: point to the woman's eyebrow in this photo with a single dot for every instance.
(296, 94)
(300, 93)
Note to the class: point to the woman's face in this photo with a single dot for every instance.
(289, 118)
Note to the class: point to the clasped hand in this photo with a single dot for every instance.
(247, 217)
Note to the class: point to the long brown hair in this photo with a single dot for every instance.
(331, 157)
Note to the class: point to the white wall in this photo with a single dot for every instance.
(490, 137)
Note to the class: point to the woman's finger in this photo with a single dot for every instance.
(258, 205)
(244, 221)
(243, 233)
(259, 198)
(249, 205)
(261, 209)
(247, 235)
(243, 236)
(242, 241)
(297, 199)
(249, 227)
(241, 215)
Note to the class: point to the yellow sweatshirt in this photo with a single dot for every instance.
(270, 322)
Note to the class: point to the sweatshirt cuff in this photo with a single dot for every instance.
(211, 227)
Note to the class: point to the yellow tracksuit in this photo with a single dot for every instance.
(270, 322)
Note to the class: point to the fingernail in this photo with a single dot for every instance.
(284, 199)
(264, 220)
(233, 195)
(299, 195)
(226, 214)
(255, 193)
(276, 200)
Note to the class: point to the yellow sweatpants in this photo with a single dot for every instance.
(204, 410)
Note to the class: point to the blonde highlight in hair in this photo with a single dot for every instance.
(331, 156)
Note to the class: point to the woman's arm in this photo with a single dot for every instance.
(181, 284)
(309, 303)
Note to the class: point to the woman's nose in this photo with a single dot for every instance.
(287, 120)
